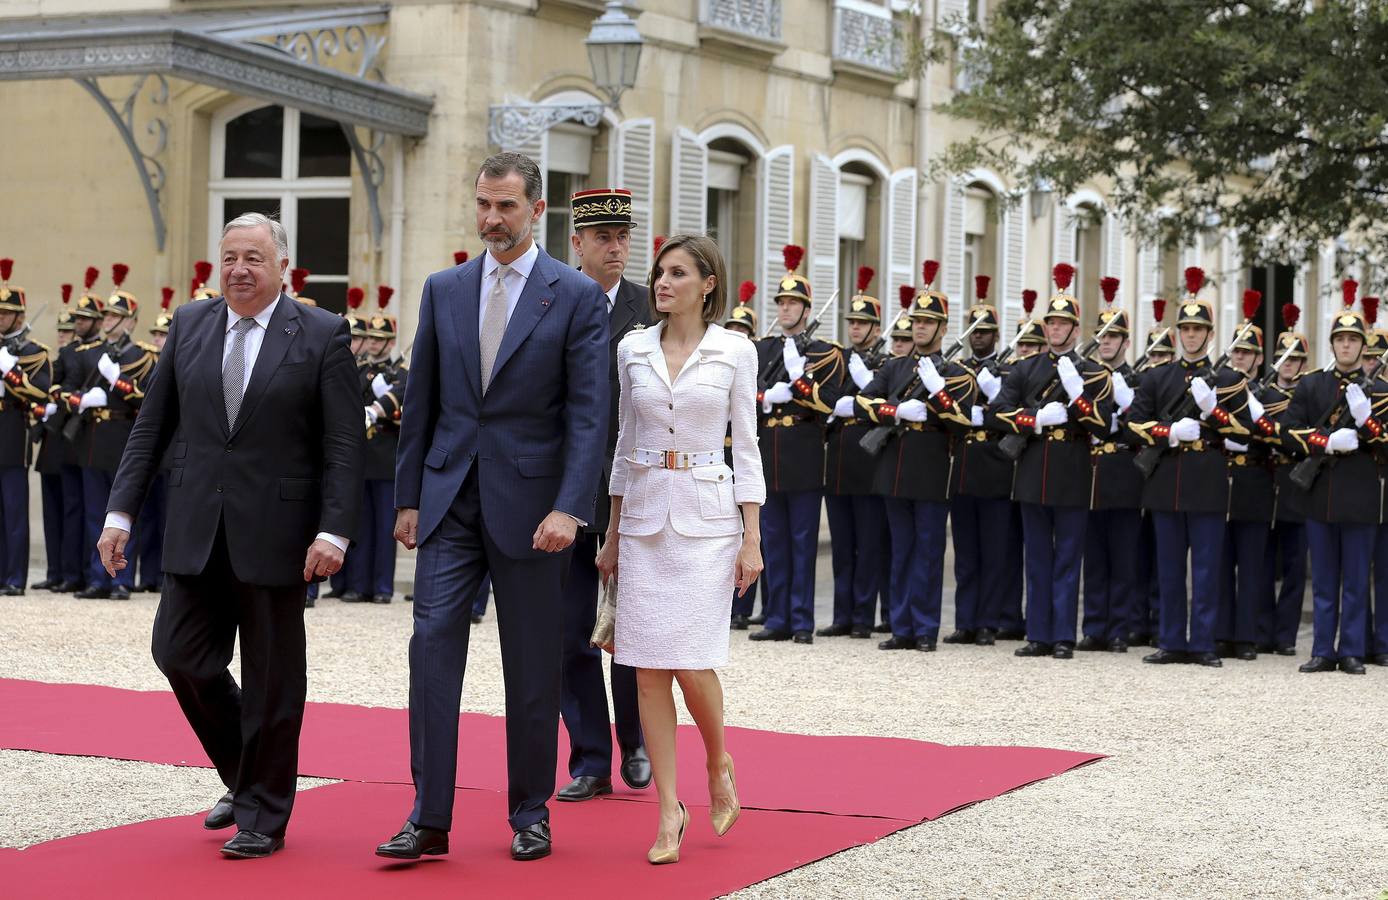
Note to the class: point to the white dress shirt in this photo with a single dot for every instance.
(612, 296)
(254, 338)
(515, 282)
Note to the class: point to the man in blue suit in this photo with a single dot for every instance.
(495, 474)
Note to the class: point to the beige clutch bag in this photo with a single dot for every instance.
(604, 629)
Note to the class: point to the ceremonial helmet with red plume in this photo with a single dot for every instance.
(382, 325)
(459, 257)
(1291, 339)
(12, 297)
(983, 312)
(89, 305)
(863, 308)
(121, 302)
(1194, 311)
(1063, 305)
(743, 314)
(1349, 320)
(930, 303)
(793, 284)
(1110, 320)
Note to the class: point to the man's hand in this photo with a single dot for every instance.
(1343, 440)
(94, 398)
(845, 407)
(912, 411)
(1070, 379)
(407, 527)
(1359, 406)
(323, 559)
(858, 370)
(934, 382)
(108, 367)
(379, 387)
(7, 361)
(1053, 413)
(795, 363)
(1122, 394)
(111, 546)
(1204, 395)
(1255, 409)
(555, 533)
(989, 383)
(777, 393)
(1184, 431)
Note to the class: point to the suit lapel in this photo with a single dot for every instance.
(535, 301)
(281, 331)
(211, 361)
(624, 310)
(466, 306)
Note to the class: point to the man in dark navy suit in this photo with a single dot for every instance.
(507, 398)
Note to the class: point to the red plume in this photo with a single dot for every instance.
(865, 274)
(981, 283)
(792, 255)
(907, 294)
(745, 291)
(354, 297)
(202, 269)
(459, 257)
(1028, 301)
(1158, 308)
(1109, 287)
(1348, 288)
(929, 269)
(1063, 273)
(656, 243)
(1290, 314)
(67, 292)
(1251, 301)
(383, 294)
(6, 267)
(167, 293)
(298, 278)
(1195, 279)
(193, 287)
(1370, 305)
(118, 273)
(93, 273)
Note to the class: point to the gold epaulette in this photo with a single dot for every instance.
(91, 345)
(34, 357)
(148, 348)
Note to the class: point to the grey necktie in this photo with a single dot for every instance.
(493, 325)
(234, 369)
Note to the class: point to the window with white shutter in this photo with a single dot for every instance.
(953, 265)
(688, 183)
(776, 214)
(537, 149)
(1148, 289)
(822, 266)
(900, 245)
(1014, 248)
(1231, 289)
(633, 168)
(1062, 238)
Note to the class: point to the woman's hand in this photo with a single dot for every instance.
(607, 557)
(749, 564)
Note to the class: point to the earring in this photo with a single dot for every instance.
(708, 296)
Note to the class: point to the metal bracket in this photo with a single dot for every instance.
(147, 164)
(373, 173)
(516, 123)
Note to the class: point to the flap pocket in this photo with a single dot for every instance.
(716, 372)
(712, 473)
(640, 373)
(175, 476)
(180, 449)
(538, 466)
(715, 488)
(297, 488)
(436, 458)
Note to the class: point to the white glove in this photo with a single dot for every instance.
(92, 399)
(1235, 446)
(912, 411)
(1112, 425)
(49, 410)
(1204, 395)
(989, 383)
(976, 416)
(108, 367)
(777, 393)
(1052, 413)
(845, 407)
(7, 361)
(1343, 440)
(371, 416)
(379, 387)
(1359, 406)
(1070, 379)
(1183, 431)
(858, 371)
(933, 381)
(1122, 394)
(1255, 409)
(795, 363)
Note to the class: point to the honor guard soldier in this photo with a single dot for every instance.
(1279, 608)
(1161, 349)
(1049, 408)
(918, 403)
(373, 576)
(1252, 498)
(743, 320)
(49, 464)
(1112, 591)
(1182, 413)
(112, 388)
(986, 562)
(857, 519)
(799, 382)
(27, 373)
(1335, 418)
(902, 343)
(147, 549)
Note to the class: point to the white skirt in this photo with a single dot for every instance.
(674, 600)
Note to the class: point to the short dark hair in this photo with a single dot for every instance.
(707, 257)
(502, 164)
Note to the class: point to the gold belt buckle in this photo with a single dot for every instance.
(670, 459)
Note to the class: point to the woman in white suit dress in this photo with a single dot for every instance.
(685, 529)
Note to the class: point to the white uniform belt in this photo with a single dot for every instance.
(677, 459)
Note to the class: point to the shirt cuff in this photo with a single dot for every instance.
(118, 520)
(338, 542)
(581, 523)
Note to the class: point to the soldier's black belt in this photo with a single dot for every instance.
(787, 421)
(1062, 435)
(1108, 447)
(110, 415)
(981, 437)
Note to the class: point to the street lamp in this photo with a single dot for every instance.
(1041, 193)
(614, 51)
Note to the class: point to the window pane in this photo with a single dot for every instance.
(322, 239)
(236, 206)
(323, 148)
(255, 144)
(559, 187)
(332, 295)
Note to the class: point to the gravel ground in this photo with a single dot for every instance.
(1252, 780)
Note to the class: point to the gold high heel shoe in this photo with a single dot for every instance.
(722, 821)
(672, 855)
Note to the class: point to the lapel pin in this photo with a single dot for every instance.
(289, 331)
(545, 302)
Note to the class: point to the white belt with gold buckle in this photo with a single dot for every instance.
(677, 459)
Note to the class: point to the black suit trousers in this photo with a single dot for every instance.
(250, 731)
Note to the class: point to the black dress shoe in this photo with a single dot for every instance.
(1090, 642)
(148, 588)
(310, 602)
(1165, 657)
(352, 597)
(67, 587)
(14, 590)
(1265, 648)
(1224, 649)
(119, 592)
(47, 584)
(381, 598)
(766, 634)
(413, 842)
(93, 593)
(757, 620)
(1245, 652)
(222, 815)
(1011, 634)
(925, 645)
(1064, 650)
(1138, 638)
(532, 842)
(882, 628)
(1317, 664)
(834, 630)
(636, 769)
(739, 623)
(860, 631)
(1118, 645)
(986, 637)
(1209, 659)
(961, 636)
(1379, 659)
(409, 598)
(335, 593)
(252, 845)
(477, 620)
(584, 787)
(897, 643)
(1286, 651)
(803, 637)
(1352, 665)
(1034, 648)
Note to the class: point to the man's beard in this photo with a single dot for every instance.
(508, 243)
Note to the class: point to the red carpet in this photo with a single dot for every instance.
(854, 776)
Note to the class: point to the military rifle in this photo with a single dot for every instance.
(1305, 473)
(775, 370)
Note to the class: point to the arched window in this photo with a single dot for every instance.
(298, 167)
